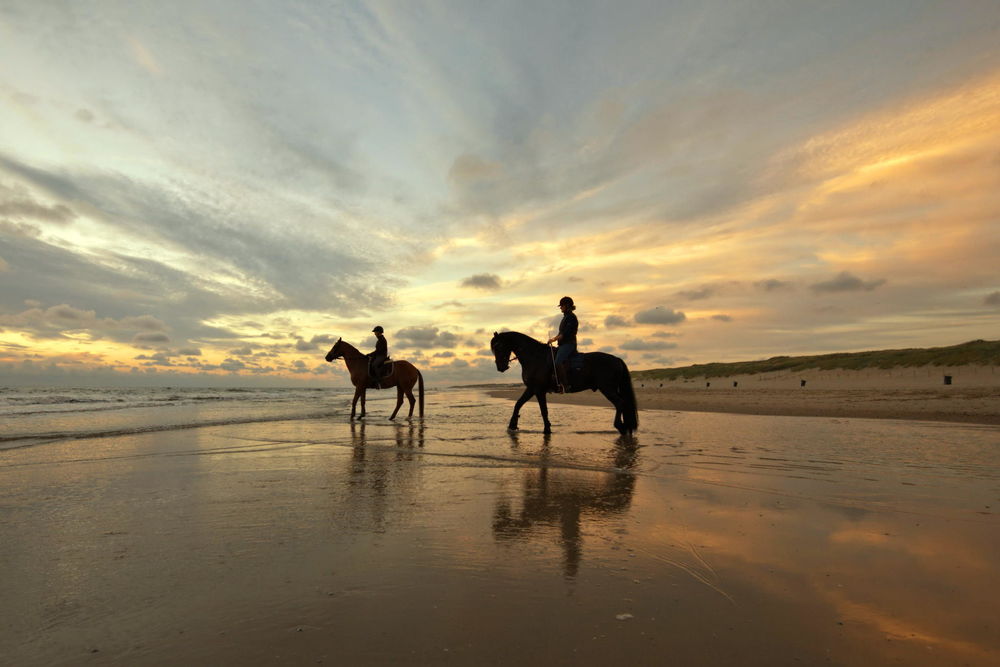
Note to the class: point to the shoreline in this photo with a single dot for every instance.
(908, 394)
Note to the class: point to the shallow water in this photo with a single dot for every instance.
(708, 539)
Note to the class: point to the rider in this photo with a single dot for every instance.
(379, 355)
(566, 339)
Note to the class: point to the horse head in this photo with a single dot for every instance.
(501, 352)
(335, 351)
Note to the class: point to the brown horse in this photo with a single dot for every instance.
(403, 376)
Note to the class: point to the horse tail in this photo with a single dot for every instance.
(630, 411)
(420, 387)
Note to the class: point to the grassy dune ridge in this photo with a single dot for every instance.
(976, 352)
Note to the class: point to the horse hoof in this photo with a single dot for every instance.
(512, 429)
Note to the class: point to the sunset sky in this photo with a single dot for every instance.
(214, 192)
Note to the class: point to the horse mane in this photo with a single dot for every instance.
(519, 338)
(350, 348)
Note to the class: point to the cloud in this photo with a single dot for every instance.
(616, 321)
(324, 339)
(147, 322)
(636, 344)
(772, 284)
(150, 338)
(287, 266)
(35, 211)
(55, 321)
(992, 299)
(660, 315)
(471, 170)
(722, 317)
(697, 294)
(483, 281)
(425, 337)
(232, 365)
(116, 286)
(846, 282)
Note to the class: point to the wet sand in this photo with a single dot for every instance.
(709, 539)
(911, 394)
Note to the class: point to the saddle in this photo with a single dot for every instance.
(384, 372)
(574, 370)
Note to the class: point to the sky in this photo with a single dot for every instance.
(212, 193)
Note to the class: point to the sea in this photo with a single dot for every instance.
(36, 415)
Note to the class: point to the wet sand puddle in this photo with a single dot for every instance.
(706, 539)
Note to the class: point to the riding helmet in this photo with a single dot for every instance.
(567, 301)
(377, 330)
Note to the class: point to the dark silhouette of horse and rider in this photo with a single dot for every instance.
(543, 370)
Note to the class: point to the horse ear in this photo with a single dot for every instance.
(495, 334)
(338, 339)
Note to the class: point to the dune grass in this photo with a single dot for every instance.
(976, 352)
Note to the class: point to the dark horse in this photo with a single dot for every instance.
(600, 372)
(403, 376)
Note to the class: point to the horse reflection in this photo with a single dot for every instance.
(406, 436)
(553, 496)
(381, 476)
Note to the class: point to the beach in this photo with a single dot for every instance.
(267, 529)
(901, 393)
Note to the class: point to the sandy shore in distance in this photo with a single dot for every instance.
(902, 393)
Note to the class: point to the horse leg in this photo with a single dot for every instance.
(613, 397)
(354, 403)
(525, 397)
(399, 401)
(364, 395)
(544, 407)
(412, 400)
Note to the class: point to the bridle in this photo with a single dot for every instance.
(512, 356)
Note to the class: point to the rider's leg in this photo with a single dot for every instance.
(377, 364)
(562, 363)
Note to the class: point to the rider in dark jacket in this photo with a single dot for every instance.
(379, 355)
(566, 339)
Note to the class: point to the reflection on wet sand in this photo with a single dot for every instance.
(406, 435)
(553, 496)
(719, 540)
(380, 472)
